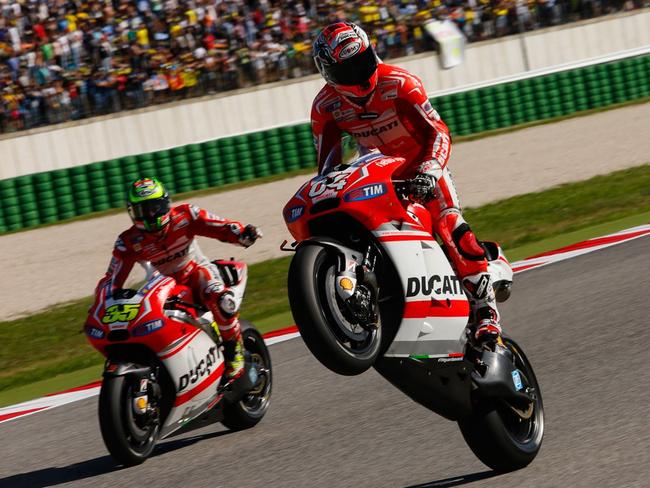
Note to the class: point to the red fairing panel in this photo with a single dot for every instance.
(364, 191)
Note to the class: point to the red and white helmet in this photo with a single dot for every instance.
(346, 59)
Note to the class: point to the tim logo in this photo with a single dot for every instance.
(365, 192)
(294, 213)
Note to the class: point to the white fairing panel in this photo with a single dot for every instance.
(195, 365)
(436, 309)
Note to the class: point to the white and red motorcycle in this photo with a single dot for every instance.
(369, 286)
(164, 367)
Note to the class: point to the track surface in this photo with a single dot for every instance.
(588, 343)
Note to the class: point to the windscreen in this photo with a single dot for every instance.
(346, 152)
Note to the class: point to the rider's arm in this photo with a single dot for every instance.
(326, 133)
(120, 266)
(414, 106)
(204, 223)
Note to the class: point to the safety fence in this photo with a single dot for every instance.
(40, 198)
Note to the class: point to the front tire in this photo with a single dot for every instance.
(248, 411)
(339, 344)
(129, 443)
(501, 436)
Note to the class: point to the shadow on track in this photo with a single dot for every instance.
(93, 467)
(457, 480)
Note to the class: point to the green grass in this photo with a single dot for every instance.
(536, 216)
(38, 348)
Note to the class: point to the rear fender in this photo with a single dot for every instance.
(501, 379)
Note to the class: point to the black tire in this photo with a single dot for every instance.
(323, 329)
(247, 412)
(127, 445)
(499, 436)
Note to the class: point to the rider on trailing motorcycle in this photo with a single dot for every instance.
(165, 236)
(387, 108)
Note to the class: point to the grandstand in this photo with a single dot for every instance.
(70, 60)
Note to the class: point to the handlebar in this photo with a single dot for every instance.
(402, 187)
(177, 301)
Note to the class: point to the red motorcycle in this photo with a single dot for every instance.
(164, 366)
(369, 286)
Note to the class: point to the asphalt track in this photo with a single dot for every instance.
(583, 323)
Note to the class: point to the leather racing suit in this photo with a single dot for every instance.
(398, 119)
(174, 252)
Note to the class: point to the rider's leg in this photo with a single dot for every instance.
(225, 309)
(467, 256)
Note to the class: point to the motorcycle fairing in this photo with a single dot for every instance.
(195, 364)
(183, 343)
(436, 309)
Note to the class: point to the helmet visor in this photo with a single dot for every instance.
(356, 70)
(150, 210)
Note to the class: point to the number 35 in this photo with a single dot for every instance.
(121, 313)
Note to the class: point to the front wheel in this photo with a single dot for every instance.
(129, 437)
(248, 411)
(335, 338)
(503, 436)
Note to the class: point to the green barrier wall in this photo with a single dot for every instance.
(52, 196)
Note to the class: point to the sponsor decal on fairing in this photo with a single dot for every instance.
(147, 328)
(365, 192)
(294, 213)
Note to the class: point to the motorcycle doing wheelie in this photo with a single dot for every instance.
(164, 370)
(369, 286)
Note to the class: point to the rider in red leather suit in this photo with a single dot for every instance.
(387, 108)
(165, 237)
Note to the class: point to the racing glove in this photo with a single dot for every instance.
(249, 235)
(422, 187)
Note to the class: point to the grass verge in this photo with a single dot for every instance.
(39, 350)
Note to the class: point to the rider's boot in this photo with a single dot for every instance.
(481, 294)
(233, 351)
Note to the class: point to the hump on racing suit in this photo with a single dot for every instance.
(397, 119)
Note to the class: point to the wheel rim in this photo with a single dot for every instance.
(140, 430)
(351, 336)
(257, 399)
(523, 426)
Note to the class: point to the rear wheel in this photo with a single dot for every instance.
(503, 436)
(248, 411)
(129, 437)
(335, 338)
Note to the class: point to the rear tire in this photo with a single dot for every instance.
(311, 291)
(125, 440)
(499, 436)
(247, 412)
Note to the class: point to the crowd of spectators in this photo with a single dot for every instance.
(69, 59)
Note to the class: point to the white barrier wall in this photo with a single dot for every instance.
(286, 103)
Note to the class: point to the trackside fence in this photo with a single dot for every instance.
(53, 196)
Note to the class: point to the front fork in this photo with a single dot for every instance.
(356, 285)
(146, 391)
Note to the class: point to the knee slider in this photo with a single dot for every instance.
(467, 244)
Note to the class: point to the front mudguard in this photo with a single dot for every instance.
(348, 258)
(117, 368)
